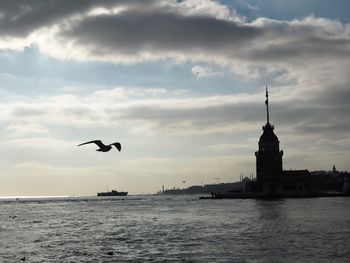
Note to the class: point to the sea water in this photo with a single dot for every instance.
(174, 229)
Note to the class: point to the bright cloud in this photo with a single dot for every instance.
(204, 72)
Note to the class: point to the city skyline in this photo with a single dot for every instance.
(180, 84)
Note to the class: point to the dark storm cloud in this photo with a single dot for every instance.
(19, 18)
(134, 35)
(156, 29)
(132, 32)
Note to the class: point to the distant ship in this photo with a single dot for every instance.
(112, 193)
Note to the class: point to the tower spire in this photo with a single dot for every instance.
(267, 106)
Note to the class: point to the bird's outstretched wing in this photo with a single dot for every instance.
(97, 142)
(117, 145)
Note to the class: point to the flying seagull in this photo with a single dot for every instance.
(104, 148)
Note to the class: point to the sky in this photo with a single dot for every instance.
(180, 84)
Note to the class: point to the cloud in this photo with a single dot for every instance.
(202, 31)
(24, 111)
(252, 7)
(108, 108)
(151, 36)
(53, 25)
(208, 8)
(20, 18)
(305, 57)
(185, 115)
(205, 72)
(21, 129)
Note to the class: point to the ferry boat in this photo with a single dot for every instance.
(112, 193)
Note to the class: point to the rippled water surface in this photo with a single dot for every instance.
(174, 229)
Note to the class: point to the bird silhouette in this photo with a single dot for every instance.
(103, 147)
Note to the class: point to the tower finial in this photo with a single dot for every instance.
(267, 105)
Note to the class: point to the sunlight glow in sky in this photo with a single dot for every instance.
(180, 84)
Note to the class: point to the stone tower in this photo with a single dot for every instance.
(269, 156)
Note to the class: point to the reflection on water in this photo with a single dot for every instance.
(174, 229)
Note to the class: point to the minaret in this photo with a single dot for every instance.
(268, 157)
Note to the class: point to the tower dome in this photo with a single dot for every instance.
(268, 134)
